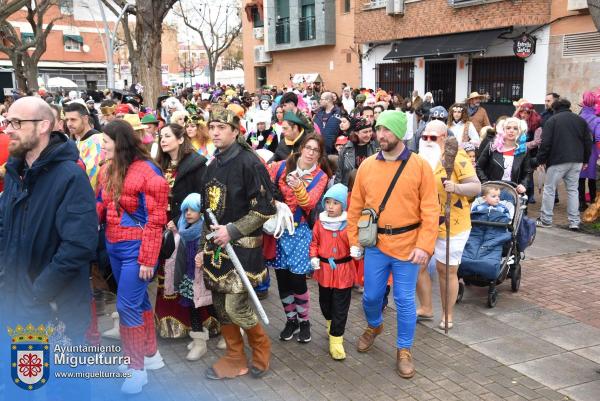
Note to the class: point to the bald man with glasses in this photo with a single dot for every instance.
(48, 225)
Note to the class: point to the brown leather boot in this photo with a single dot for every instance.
(366, 340)
(404, 363)
(234, 362)
(261, 350)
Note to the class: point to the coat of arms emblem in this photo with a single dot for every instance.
(30, 356)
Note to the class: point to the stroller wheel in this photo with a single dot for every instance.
(461, 292)
(492, 297)
(515, 278)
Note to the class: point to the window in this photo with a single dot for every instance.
(27, 37)
(72, 42)
(282, 24)
(347, 4)
(66, 7)
(257, 21)
(307, 20)
(396, 77)
(500, 77)
(378, 3)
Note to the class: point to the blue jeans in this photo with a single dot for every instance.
(132, 294)
(377, 270)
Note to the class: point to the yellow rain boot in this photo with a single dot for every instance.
(328, 322)
(336, 348)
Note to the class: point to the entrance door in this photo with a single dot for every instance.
(440, 80)
(261, 77)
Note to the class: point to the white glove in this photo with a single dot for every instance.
(287, 219)
(356, 252)
(315, 263)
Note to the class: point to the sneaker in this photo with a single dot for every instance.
(304, 335)
(540, 223)
(150, 363)
(134, 383)
(291, 327)
(574, 228)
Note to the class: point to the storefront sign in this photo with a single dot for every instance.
(524, 46)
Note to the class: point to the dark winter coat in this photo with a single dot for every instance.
(565, 139)
(48, 237)
(347, 160)
(188, 180)
(284, 150)
(329, 130)
(490, 167)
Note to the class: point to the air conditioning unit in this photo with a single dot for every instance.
(259, 33)
(577, 5)
(395, 7)
(261, 56)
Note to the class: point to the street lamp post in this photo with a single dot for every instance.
(110, 43)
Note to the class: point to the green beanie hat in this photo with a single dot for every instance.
(393, 120)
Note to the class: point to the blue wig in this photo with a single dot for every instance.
(192, 201)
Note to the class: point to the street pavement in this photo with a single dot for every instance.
(541, 343)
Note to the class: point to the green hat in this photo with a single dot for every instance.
(149, 119)
(361, 98)
(293, 118)
(393, 120)
(223, 115)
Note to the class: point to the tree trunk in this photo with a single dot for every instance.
(594, 6)
(148, 38)
(16, 60)
(30, 71)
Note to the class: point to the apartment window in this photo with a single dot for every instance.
(66, 7)
(27, 37)
(307, 20)
(347, 5)
(378, 3)
(282, 24)
(257, 21)
(500, 77)
(72, 42)
(396, 77)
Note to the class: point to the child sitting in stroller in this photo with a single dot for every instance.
(482, 255)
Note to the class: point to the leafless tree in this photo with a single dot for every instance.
(25, 54)
(9, 7)
(144, 45)
(217, 24)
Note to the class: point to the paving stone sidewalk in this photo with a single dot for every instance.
(446, 369)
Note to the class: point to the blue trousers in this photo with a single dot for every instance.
(377, 270)
(132, 294)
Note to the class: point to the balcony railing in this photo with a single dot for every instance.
(307, 28)
(282, 30)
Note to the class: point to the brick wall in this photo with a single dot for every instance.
(436, 17)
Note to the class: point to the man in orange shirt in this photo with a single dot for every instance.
(407, 231)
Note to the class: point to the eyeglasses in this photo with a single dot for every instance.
(312, 150)
(430, 138)
(16, 124)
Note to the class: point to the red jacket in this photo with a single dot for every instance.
(144, 197)
(334, 244)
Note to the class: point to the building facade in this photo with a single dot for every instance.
(574, 50)
(287, 41)
(453, 47)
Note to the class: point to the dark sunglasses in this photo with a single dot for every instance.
(432, 138)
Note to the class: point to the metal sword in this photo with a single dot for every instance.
(240, 271)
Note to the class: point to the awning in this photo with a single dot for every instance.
(306, 78)
(76, 38)
(465, 42)
(27, 36)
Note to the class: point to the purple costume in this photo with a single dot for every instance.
(593, 122)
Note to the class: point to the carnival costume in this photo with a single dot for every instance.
(238, 190)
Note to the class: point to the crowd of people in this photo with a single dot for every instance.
(347, 190)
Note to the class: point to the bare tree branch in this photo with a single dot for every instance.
(9, 7)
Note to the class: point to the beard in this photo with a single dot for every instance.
(431, 152)
(389, 146)
(22, 146)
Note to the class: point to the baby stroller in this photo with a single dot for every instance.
(496, 244)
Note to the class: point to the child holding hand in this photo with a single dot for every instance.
(333, 267)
